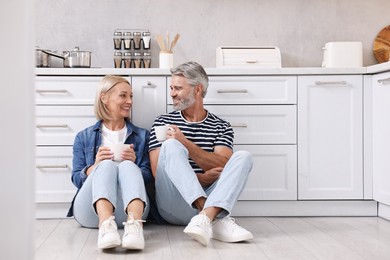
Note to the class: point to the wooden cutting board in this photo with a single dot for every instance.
(382, 45)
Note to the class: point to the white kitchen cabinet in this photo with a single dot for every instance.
(330, 137)
(381, 137)
(262, 112)
(149, 97)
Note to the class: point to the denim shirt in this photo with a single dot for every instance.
(87, 143)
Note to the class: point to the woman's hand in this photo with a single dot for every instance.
(129, 154)
(210, 176)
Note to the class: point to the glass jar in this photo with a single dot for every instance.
(137, 40)
(146, 40)
(146, 60)
(127, 40)
(137, 59)
(118, 59)
(117, 40)
(127, 59)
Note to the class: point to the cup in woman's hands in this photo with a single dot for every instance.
(117, 150)
(161, 132)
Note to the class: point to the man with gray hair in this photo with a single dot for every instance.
(198, 177)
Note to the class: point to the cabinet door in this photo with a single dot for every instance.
(53, 171)
(54, 90)
(381, 137)
(274, 172)
(58, 125)
(149, 99)
(330, 139)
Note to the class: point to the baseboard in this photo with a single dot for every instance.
(305, 208)
(384, 211)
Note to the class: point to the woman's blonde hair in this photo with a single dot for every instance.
(107, 83)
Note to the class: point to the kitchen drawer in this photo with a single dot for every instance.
(250, 90)
(274, 172)
(53, 169)
(262, 124)
(66, 90)
(58, 125)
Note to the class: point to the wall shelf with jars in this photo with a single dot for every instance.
(132, 48)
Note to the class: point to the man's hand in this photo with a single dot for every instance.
(210, 176)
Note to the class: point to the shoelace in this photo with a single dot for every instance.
(133, 224)
(108, 225)
(229, 221)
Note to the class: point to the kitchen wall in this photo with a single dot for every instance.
(300, 28)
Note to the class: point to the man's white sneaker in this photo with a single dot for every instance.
(226, 230)
(108, 234)
(133, 237)
(199, 228)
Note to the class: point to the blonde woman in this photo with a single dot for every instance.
(112, 193)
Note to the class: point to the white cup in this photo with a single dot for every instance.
(117, 149)
(161, 132)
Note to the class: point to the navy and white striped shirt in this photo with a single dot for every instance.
(207, 134)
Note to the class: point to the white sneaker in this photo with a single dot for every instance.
(108, 234)
(199, 228)
(133, 237)
(226, 230)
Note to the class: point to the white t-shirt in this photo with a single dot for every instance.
(113, 137)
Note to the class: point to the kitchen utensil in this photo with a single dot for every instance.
(382, 45)
(146, 40)
(137, 40)
(173, 43)
(42, 59)
(160, 42)
(73, 59)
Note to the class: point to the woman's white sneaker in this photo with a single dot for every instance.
(133, 237)
(108, 234)
(226, 230)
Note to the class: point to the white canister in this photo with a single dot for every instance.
(166, 59)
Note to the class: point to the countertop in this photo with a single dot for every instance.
(218, 71)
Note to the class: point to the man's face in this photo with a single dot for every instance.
(182, 93)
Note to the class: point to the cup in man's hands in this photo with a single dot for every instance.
(117, 150)
(161, 132)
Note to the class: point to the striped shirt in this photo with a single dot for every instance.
(207, 134)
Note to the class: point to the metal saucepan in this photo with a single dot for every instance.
(73, 59)
(42, 59)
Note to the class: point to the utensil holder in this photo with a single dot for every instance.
(166, 59)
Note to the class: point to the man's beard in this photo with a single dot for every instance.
(185, 103)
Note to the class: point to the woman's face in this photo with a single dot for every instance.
(119, 100)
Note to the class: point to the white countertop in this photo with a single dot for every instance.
(218, 71)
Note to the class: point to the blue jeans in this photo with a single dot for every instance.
(177, 186)
(118, 183)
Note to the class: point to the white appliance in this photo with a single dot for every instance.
(343, 55)
(257, 57)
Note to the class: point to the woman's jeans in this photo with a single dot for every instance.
(177, 186)
(118, 183)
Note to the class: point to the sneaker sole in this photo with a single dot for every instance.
(198, 234)
(133, 246)
(109, 245)
(233, 240)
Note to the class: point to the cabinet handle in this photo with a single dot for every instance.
(384, 81)
(231, 91)
(61, 166)
(149, 84)
(52, 126)
(341, 82)
(64, 91)
(240, 125)
(251, 61)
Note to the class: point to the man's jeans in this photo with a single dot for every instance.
(118, 183)
(177, 186)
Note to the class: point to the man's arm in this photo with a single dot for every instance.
(153, 156)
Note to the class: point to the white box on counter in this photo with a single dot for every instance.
(249, 56)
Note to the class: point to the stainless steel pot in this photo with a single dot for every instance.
(73, 59)
(42, 59)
